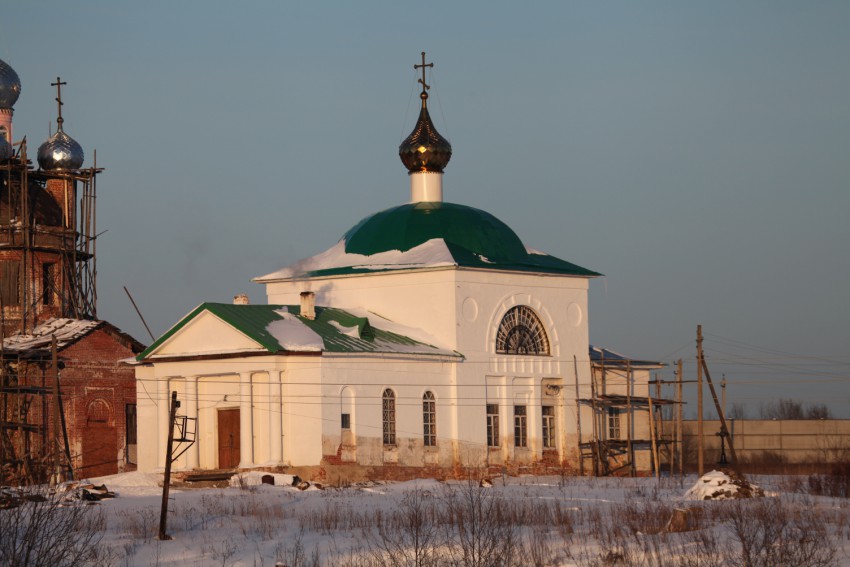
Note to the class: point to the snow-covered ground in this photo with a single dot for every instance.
(546, 521)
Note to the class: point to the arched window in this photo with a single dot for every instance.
(522, 332)
(429, 419)
(388, 406)
(98, 412)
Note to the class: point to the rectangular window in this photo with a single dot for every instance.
(492, 425)
(47, 271)
(389, 417)
(613, 423)
(130, 412)
(345, 421)
(520, 427)
(548, 427)
(10, 281)
(429, 419)
(130, 422)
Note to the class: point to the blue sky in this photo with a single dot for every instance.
(694, 153)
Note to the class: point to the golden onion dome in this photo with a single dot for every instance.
(425, 149)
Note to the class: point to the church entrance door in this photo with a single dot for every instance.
(228, 438)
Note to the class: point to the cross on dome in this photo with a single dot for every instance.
(425, 86)
(58, 84)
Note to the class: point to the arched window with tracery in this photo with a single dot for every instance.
(429, 419)
(521, 332)
(388, 407)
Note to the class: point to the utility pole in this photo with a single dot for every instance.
(679, 416)
(724, 431)
(632, 469)
(578, 418)
(700, 439)
(163, 517)
(57, 462)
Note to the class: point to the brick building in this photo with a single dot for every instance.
(97, 390)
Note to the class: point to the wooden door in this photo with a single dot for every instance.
(228, 438)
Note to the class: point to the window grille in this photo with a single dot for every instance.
(613, 423)
(389, 417)
(520, 427)
(522, 332)
(429, 419)
(492, 425)
(548, 427)
(47, 278)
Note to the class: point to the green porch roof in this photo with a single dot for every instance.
(334, 326)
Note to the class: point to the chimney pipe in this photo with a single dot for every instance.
(308, 305)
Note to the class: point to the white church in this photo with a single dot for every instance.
(428, 341)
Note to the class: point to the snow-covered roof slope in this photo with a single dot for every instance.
(427, 235)
(66, 331)
(432, 253)
(282, 329)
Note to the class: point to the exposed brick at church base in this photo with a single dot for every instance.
(335, 472)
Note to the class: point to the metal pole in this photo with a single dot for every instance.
(140, 314)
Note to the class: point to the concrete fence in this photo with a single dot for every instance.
(767, 441)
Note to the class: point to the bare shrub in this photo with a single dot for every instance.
(294, 554)
(538, 550)
(410, 537)
(836, 483)
(770, 534)
(479, 533)
(51, 532)
(223, 550)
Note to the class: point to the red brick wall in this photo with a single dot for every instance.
(96, 388)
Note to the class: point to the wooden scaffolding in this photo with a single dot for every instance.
(626, 417)
(48, 270)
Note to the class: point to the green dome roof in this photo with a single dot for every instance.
(407, 226)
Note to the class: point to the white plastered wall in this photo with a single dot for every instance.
(463, 308)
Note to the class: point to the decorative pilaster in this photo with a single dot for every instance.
(275, 417)
(162, 403)
(193, 453)
(246, 422)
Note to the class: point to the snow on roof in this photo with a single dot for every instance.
(385, 324)
(65, 330)
(611, 358)
(281, 328)
(432, 253)
(294, 335)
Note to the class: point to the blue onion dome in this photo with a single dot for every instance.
(6, 149)
(10, 86)
(60, 151)
(425, 149)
